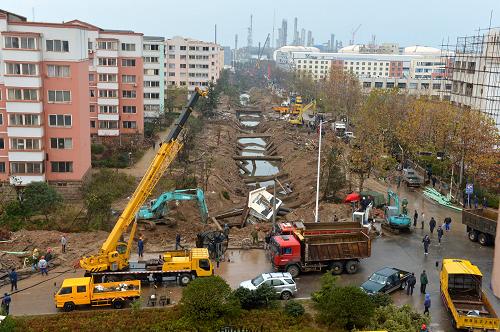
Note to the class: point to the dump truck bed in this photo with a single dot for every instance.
(484, 220)
(313, 229)
(124, 289)
(336, 247)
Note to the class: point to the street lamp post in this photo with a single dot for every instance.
(316, 215)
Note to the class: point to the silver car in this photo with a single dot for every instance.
(282, 282)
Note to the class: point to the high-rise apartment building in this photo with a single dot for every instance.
(191, 63)
(154, 76)
(60, 83)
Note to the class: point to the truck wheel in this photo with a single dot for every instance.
(118, 304)
(473, 236)
(293, 270)
(337, 268)
(69, 306)
(286, 295)
(483, 239)
(184, 279)
(352, 267)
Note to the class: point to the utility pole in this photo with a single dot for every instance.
(317, 180)
(274, 203)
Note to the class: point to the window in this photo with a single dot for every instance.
(204, 264)
(150, 47)
(171, 74)
(183, 65)
(2, 167)
(107, 45)
(22, 94)
(108, 93)
(129, 109)
(90, 45)
(57, 71)
(379, 84)
(59, 120)
(59, 96)
(182, 56)
(108, 78)
(61, 166)
(149, 84)
(192, 48)
(61, 143)
(128, 47)
(172, 66)
(151, 72)
(56, 45)
(171, 56)
(436, 86)
(2, 144)
(1, 119)
(128, 94)
(81, 289)
(277, 282)
(26, 168)
(287, 251)
(128, 78)
(128, 62)
(205, 48)
(92, 93)
(25, 144)
(92, 123)
(20, 42)
(151, 95)
(172, 47)
(108, 124)
(129, 124)
(413, 85)
(91, 77)
(151, 107)
(91, 108)
(24, 69)
(108, 109)
(24, 120)
(107, 62)
(65, 290)
(183, 48)
(151, 59)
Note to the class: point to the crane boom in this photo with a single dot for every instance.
(114, 254)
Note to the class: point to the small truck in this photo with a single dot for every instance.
(386, 281)
(412, 178)
(481, 225)
(463, 296)
(83, 291)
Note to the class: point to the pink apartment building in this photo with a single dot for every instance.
(60, 83)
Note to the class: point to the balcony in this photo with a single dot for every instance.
(21, 56)
(107, 70)
(23, 81)
(23, 180)
(107, 54)
(24, 107)
(108, 116)
(26, 156)
(108, 132)
(107, 86)
(34, 132)
(108, 101)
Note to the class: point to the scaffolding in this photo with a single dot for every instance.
(473, 72)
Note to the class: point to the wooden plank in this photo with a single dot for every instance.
(216, 223)
(272, 158)
(255, 135)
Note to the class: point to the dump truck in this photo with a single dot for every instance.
(337, 248)
(83, 291)
(481, 225)
(462, 294)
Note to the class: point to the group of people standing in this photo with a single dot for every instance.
(412, 281)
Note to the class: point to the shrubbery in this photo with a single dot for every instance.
(294, 309)
(252, 299)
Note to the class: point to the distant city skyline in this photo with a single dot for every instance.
(424, 22)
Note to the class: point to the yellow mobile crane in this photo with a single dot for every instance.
(112, 261)
(299, 118)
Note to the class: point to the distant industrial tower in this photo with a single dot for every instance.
(302, 37)
(284, 31)
(250, 39)
(280, 38)
(332, 42)
(309, 38)
(295, 32)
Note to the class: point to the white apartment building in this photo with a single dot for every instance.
(190, 63)
(154, 76)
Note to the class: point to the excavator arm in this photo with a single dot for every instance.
(114, 255)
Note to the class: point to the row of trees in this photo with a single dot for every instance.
(389, 123)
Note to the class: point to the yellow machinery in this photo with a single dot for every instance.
(462, 295)
(298, 120)
(114, 254)
(83, 291)
(296, 106)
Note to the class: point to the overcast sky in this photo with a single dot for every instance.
(424, 22)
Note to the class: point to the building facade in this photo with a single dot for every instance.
(60, 83)
(190, 63)
(154, 76)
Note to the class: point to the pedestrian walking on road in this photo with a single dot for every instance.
(178, 242)
(154, 145)
(476, 201)
(423, 220)
(440, 233)
(13, 279)
(432, 225)
(42, 265)
(447, 223)
(6, 303)
(412, 280)
(140, 247)
(255, 236)
(423, 282)
(433, 179)
(415, 219)
(64, 242)
(427, 304)
(426, 241)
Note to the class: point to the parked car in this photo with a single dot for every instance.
(412, 178)
(386, 281)
(282, 282)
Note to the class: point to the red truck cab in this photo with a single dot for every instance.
(285, 250)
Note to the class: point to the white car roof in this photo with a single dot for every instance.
(276, 275)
